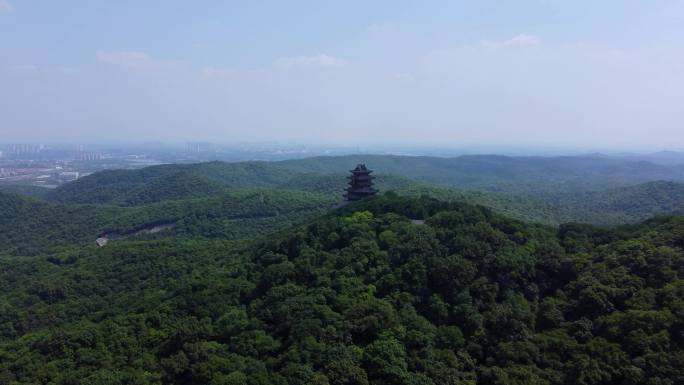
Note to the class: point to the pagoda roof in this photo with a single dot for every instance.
(361, 168)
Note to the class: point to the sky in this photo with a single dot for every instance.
(576, 73)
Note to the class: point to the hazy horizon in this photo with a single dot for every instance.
(538, 74)
(298, 149)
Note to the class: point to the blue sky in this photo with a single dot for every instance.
(525, 72)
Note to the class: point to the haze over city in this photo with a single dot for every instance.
(585, 74)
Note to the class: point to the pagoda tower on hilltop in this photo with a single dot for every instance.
(360, 184)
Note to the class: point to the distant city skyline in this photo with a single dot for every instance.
(543, 74)
(315, 149)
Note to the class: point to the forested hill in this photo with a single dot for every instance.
(593, 190)
(391, 290)
(122, 186)
(619, 205)
(504, 173)
(25, 190)
(528, 175)
(29, 226)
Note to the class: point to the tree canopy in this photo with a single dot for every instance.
(392, 290)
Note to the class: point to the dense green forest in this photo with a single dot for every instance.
(240, 200)
(461, 272)
(548, 190)
(497, 173)
(493, 173)
(619, 205)
(392, 290)
(29, 226)
(219, 200)
(25, 190)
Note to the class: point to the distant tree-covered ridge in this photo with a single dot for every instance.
(29, 226)
(392, 290)
(25, 190)
(546, 190)
(493, 173)
(619, 205)
(240, 200)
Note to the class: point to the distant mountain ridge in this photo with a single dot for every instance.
(526, 175)
(621, 205)
(29, 226)
(505, 173)
(238, 200)
(548, 190)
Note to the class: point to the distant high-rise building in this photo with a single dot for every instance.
(22, 149)
(4, 172)
(80, 153)
(88, 156)
(197, 147)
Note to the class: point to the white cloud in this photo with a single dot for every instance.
(380, 28)
(404, 76)
(129, 59)
(321, 60)
(522, 40)
(217, 72)
(66, 70)
(5, 6)
(32, 68)
(23, 67)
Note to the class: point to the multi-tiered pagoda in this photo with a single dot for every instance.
(360, 183)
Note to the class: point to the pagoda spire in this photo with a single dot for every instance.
(360, 184)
